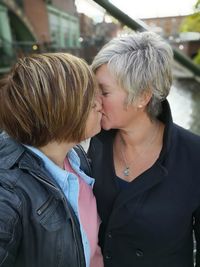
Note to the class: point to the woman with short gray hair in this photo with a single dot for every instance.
(146, 168)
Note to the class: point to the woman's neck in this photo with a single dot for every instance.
(57, 152)
(137, 148)
(141, 133)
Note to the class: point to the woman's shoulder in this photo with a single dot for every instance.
(187, 138)
(187, 134)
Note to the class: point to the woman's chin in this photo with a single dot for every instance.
(98, 131)
(105, 127)
(93, 133)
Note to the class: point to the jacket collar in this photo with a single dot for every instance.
(10, 151)
(13, 153)
(166, 118)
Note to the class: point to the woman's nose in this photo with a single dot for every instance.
(99, 104)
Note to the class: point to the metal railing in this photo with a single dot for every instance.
(141, 26)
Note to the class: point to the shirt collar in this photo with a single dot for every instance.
(58, 173)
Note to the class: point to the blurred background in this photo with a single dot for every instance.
(82, 27)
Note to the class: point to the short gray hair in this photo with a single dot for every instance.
(139, 62)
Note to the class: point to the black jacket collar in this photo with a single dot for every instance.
(166, 118)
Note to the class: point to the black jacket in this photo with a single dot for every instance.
(37, 225)
(150, 222)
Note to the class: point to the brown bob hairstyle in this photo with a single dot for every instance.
(47, 98)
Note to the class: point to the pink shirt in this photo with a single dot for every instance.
(89, 218)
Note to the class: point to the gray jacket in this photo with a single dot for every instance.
(37, 225)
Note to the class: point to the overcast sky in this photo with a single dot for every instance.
(141, 8)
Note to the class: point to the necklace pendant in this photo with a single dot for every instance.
(126, 171)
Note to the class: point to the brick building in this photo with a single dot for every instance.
(87, 27)
(169, 28)
(94, 36)
(37, 13)
(55, 21)
(166, 26)
(67, 6)
(27, 25)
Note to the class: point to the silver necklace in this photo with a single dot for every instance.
(127, 170)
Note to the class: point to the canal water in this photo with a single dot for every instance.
(184, 99)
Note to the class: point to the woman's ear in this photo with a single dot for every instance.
(144, 99)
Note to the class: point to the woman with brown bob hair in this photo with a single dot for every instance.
(48, 104)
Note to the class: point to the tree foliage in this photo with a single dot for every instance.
(197, 58)
(192, 22)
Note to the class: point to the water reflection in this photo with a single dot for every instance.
(184, 99)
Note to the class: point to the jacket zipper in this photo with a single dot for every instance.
(45, 205)
(40, 178)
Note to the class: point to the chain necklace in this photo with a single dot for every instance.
(126, 171)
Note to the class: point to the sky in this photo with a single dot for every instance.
(139, 9)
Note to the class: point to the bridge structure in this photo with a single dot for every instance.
(13, 23)
(28, 27)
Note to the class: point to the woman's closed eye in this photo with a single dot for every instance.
(104, 93)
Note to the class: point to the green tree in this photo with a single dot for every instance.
(197, 58)
(192, 22)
